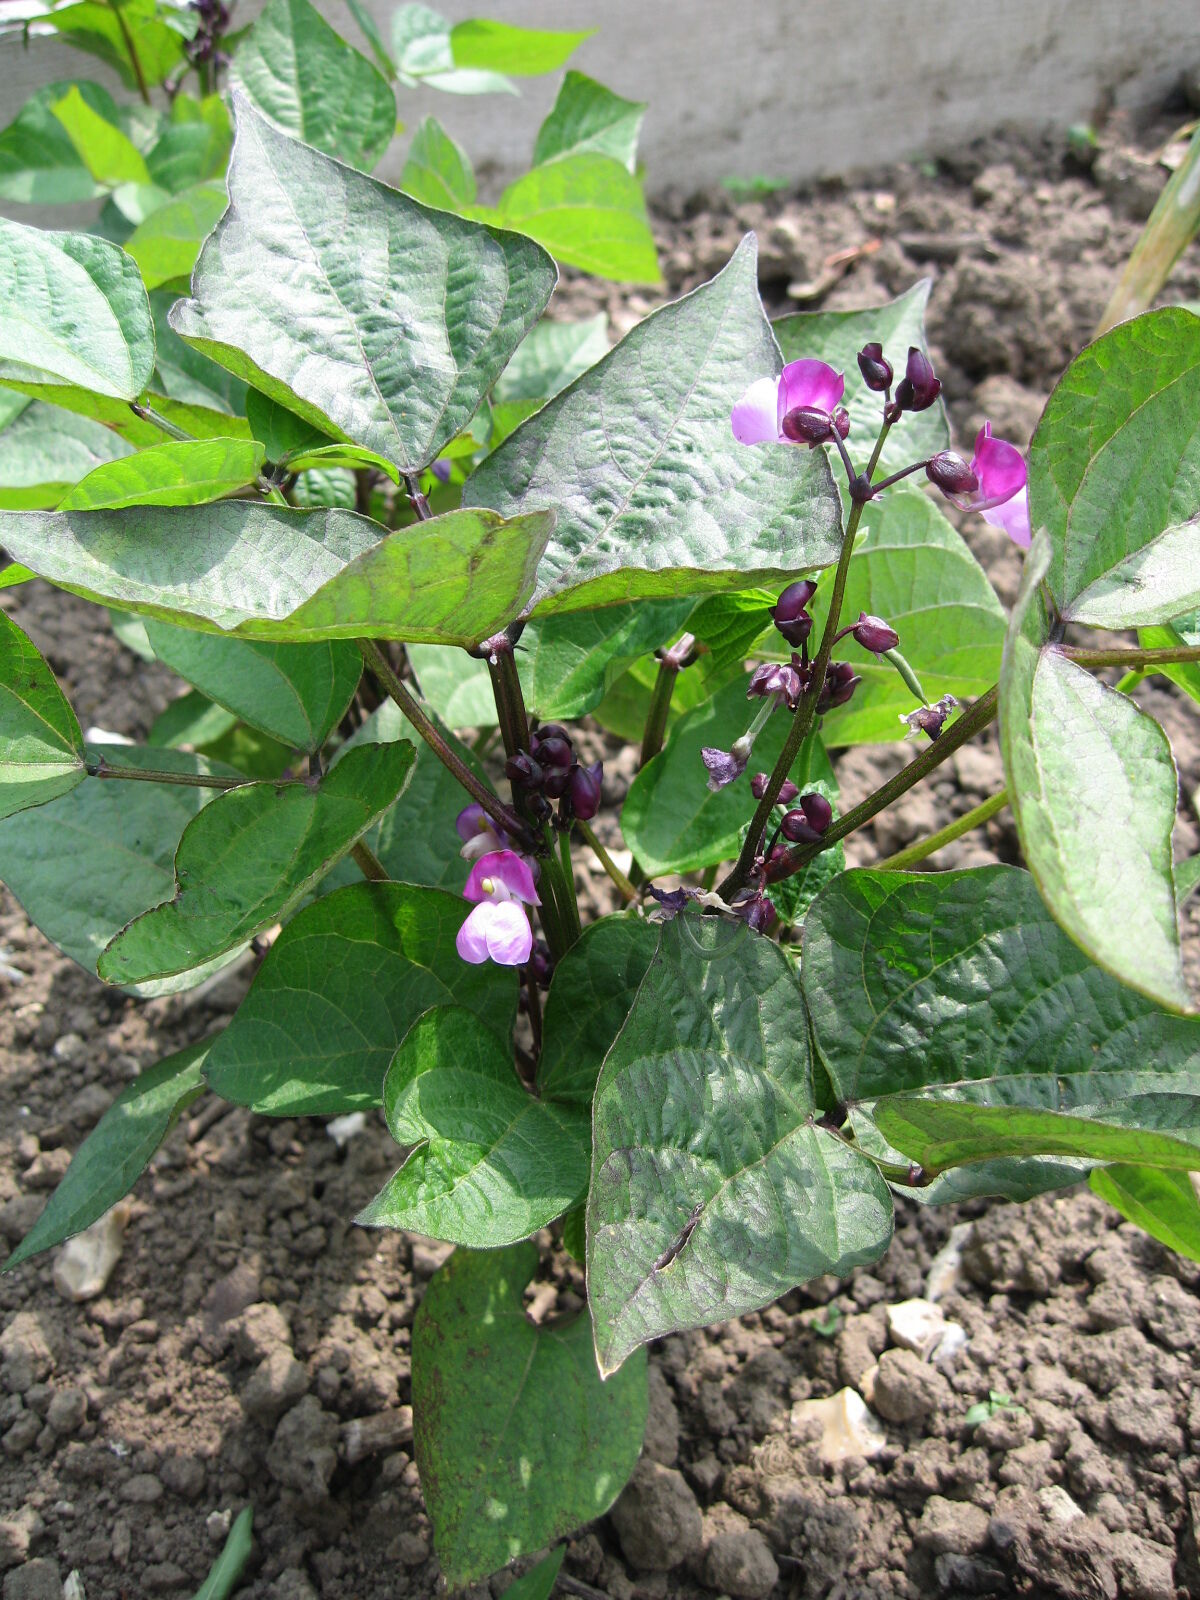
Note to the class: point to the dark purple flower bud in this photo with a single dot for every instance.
(874, 634)
(554, 782)
(523, 772)
(797, 829)
(817, 810)
(724, 766)
(552, 730)
(951, 473)
(920, 385)
(583, 791)
(841, 422)
(758, 788)
(876, 369)
(553, 752)
(441, 470)
(541, 966)
(840, 683)
(807, 425)
(775, 678)
(789, 613)
(757, 912)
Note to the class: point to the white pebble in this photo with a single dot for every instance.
(849, 1432)
(85, 1263)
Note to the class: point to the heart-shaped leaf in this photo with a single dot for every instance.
(587, 118)
(41, 747)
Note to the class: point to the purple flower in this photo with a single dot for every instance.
(777, 680)
(806, 385)
(582, 798)
(724, 766)
(478, 833)
(876, 369)
(874, 634)
(928, 719)
(920, 385)
(841, 680)
(1003, 498)
(790, 614)
(787, 792)
(498, 927)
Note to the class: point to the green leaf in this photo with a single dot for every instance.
(671, 820)
(500, 47)
(587, 118)
(538, 1583)
(914, 569)
(588, 211)
(250, 858)
(1114, 474)
(117, 1151)
(713, 1190)
(194, 147)
(107, 153)
(518, 1441)
(73, 314)
(590, 995)
(1183, 630)
(308, 80)
(1163, 1203)
(378, 954)
(185, 377)
(45, 450)
(567, 663)
(421, 46)
(268, 572)
(230, 1564)
(192, 721)
(551, 356)
(490, 1164)
(105, 29)
(655, 497)
(182, 472)
(438, 171)
(362, 15)
(298, 693)
(920, 980)
(39, 162)
(1187, 878)
(454, 685)
(392, 321)
(837, 337)
(41, 747)
(1091, 779)
(89, 862)
(166, 245)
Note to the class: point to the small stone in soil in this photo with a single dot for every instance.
(657, 1519)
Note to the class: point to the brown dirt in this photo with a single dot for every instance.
(135, 1424)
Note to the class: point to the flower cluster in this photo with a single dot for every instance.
(548, 771)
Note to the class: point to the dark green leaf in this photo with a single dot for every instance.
(1091, 780)
(374, 954)
(182, 472)
(310, 82)
(538, 1583)
(1164, 1203)
(518, 1442)
(392, 321)
(45, 450)
(114, 1155)
(568, 662)
(713, 1190)
(73, 315)
(588, 118)
(590, 996)
(1114, 474)
(655, 497)
(41, 747)
(438, 171)
(491, 1164)
(107, 28)
(250, 858)
(671, 820)
(185, 377)
(550, 357)
(588, 211)
(499, 47)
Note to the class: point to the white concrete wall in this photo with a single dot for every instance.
(789, 88)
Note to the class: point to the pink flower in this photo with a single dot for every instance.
(1003, 495)
(808, 385)
(478, 833)
(498, 927)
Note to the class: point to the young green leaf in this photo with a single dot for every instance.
(421, 46)
(1091, 781)
(588, 119)
(40, 163)
(589, 212)
(90, 861)
(41, 747)
(458, 687)
(297, 693)
(566, 663)
(713, 1190)
(518, 1442)
(551, 356)
(374, 954)
(73, 315)
(117, 1151)
(268, 572)
(194, 146)
(655, 497)
(500, 47)
(231, 1563)
(309, 81)
(671, 820)
(490, 1163)
(182, 472)
(538, 1583)
(590, 996)
(438, 170)
(105, 150)
(1164, 1203)
(45, 450)
(393, 320)
(166, 245)
(250, 858)
(117, 31)
(1114, 475)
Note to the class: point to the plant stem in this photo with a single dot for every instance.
(878, 450)
(975, 818)
(968, 725)
(624, 888)
(802, 719)
(510, 702)
(148, 414)
(533, 1006)
(1132, 680)
(660, 698)
(571, 903)
(412, 487)
(134, 59)
(368, 863)
(187, 780)
(1168, 655)
(417, 716)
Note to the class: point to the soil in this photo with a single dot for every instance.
(248, 1322)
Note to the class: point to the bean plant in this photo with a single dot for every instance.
(399, 535)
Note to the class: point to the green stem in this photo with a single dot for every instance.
(1168, 655)
(368, 863)
(975, 818)
(420, 720)
(570, 901)
(100, 768)
(971, 722)
(878, 450)
(1132, 680)
(134, 59)
(555, 921)
(148, 414)
(669, 666)
(802, 719)
(624, 888)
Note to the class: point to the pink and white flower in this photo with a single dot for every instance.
(807, 386)
(1003, 495)
(479, 833)
(497, 929)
